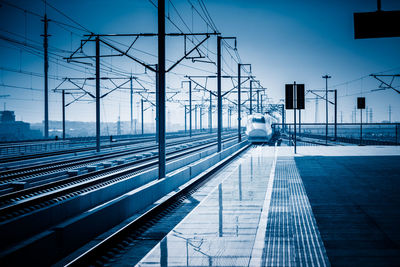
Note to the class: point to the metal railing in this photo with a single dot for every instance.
(372, 133)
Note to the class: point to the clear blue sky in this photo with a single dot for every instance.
(285, 41)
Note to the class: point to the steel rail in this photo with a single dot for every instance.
(29, 171)
(19, 203)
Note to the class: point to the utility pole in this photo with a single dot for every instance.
(261, 103)
(258, 101)
(390, 114)
(219, 94)
(97, 94)
(326, 77)
(46, 78)
(63, 114)
(161, 93)
(131, 105)
(316, 110)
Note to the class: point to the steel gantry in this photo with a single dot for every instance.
(78, 92)
(220, 96)
(326, 98)
(162, 70)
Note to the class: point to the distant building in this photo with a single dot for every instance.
(11, 130)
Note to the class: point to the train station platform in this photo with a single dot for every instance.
(324, 206)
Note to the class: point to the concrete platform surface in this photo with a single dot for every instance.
(273, 208)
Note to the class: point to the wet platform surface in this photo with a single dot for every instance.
(270, 208)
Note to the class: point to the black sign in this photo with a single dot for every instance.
(376, 24)
(300, 96)
(361, 102)
(289, 97)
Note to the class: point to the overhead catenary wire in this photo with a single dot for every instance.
(56, 54)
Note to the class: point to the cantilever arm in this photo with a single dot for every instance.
(188, 53)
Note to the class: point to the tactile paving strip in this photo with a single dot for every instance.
(292, 236)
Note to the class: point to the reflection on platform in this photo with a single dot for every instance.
(222, 229)
(259, 213)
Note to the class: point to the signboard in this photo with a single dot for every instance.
(376, 24)
(300, 96)
(360, 102)
(290, 98)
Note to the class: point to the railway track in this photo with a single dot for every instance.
(123, 239)
(125, 142)
(21, 157)
(19, 203)
(30, 171)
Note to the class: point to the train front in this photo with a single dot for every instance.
(258, 128)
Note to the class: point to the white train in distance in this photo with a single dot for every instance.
(259, 127)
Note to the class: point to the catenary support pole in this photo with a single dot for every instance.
(283, 117)
(190, 108)
(326, 77)
(131, 100)
(210, 114)
(46, 78)
(157, 103)
(142, 120)
(251, 97)
(185, 119)
(195, 117)
(97, 94)
(335, 115)
(63, 114)
(219, 93)
(161, 93)
(201, 122)
(239, 105)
